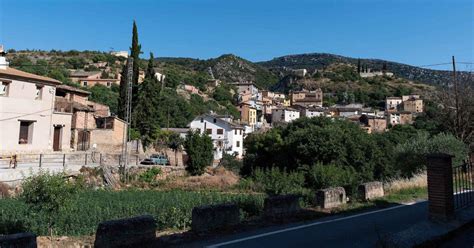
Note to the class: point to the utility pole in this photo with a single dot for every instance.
(456, 95)
(128, 115)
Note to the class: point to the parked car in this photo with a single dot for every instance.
(159, 159)
(147, 161)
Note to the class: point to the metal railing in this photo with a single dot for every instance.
(463, 185)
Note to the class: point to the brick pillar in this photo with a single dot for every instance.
(440, 186)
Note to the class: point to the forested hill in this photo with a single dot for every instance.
(312, 61)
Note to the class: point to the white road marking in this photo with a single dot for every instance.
(311, 224)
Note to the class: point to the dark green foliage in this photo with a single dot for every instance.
(274, 181)
(321, 176)
(146, 113)
(149, 175)
(175, 143)
(135, 51)
(46, 193)
(200, 152)
(171, 209)
(102, 94)
(231, 163)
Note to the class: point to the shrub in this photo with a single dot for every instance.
(231, 163)
(277, 182)
(411, 155)
(199, 149)
(321, 176)
(46, 193)
(4, 190)
(149, 175)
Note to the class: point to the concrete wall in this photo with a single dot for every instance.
(370, 190)
(330, 197)
(214, 216)
(24, 240)
(20, 104)
(281, 205)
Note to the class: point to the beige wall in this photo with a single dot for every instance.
(108, 139)
(63, 120)
(20, 104)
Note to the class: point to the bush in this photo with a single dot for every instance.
(149, 175)
(278, 182)
(231, 163)
(199, 149)
(411, 155)
(321, 176)
(46, 193)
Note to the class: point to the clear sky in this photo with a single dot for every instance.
(416, 32)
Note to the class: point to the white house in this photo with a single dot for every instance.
(314, 112)
(226, 136)
(393, 103)
(28, 122)
(284, 115)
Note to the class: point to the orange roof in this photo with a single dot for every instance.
(11, 72)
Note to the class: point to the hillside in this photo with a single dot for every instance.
(228, 68)
(319, 61)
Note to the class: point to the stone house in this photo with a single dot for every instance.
(29, 122)
(413, 105)
(248, 114)
(400, 118)
(307, 98)
(227, 137)
(374, 124)
(91, 78)
(284, 115)
(393, 104)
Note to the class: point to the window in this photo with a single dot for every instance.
(202, 119)
(215, 120)
(219, 143)
(237, 144)
(240, 132)
(4, 87)
(84, 83)
(39, 92)
(220, 131)
(235, 131)
(209, 131)
(109, 84)
(26, 132)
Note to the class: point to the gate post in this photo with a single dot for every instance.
(440, 186)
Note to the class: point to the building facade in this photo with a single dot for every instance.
(284, 115)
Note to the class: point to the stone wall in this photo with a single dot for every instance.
(370, 190)
(331, 197)
(133, 232)
(210, 217)
(281, 205)
(23, 240)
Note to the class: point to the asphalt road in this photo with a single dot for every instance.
(360, 230)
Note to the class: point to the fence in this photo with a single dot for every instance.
(64, 159)
(463, 180)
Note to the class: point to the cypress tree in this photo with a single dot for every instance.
(358, 66)
(146, 111)
(135, 51)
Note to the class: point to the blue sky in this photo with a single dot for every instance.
(416, 32)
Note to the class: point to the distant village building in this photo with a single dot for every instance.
(248, 114)
(299, 72)
(369, 73)
(374, 124)
(123, 54)
(284, 115)
(246, 87)
(227, 137)
(412, 104)
(91, 78)
(160, 77)
(314, 112)
(307, 98)
(393, 104)
(400, 118)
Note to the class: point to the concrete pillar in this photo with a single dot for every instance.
(440, 186)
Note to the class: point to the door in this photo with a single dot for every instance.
(83, 140)
(57, 139)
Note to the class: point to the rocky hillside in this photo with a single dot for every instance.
(228, 68)
(319, 61)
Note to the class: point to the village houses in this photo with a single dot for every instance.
(227, 137)
(91, 78)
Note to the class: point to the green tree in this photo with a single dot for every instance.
(104, 95)
(175, 142)
(199, 149)
(146, 111)
(135, 51)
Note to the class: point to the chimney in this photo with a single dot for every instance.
(3, 60)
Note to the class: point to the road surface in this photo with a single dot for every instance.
(360, 230)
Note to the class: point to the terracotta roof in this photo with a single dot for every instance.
(11, 72)
(72, 89)
(80, 73)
